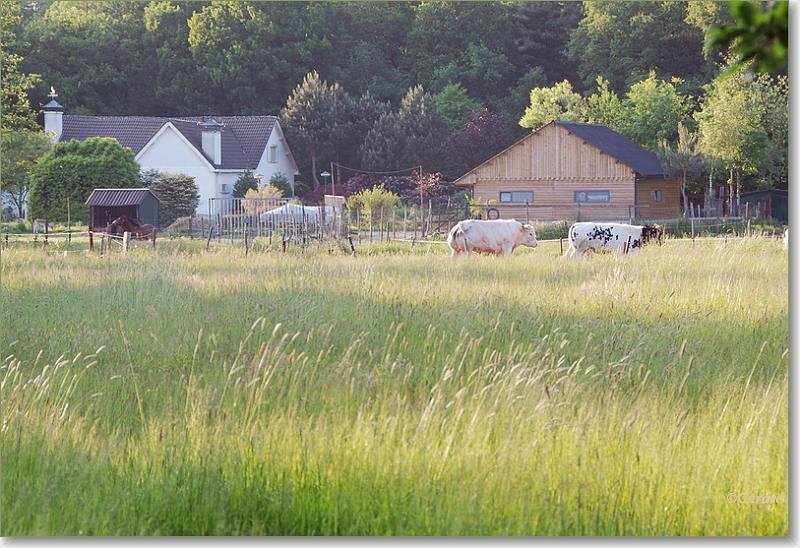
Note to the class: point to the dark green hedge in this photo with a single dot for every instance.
(72, 169)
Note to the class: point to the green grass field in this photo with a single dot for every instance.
(396, 392)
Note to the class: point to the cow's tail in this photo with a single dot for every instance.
(570, 252)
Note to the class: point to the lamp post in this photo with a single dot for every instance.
(326, 175)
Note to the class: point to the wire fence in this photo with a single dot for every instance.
(277, 223)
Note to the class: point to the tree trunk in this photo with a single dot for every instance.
(738, 192)
(338, 170)
(313, 153)
(730, 193)
(683, 193)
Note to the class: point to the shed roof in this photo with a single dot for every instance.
(605, 139)
(119, 197)
(639, 159)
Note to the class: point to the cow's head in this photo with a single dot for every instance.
(653, 232)
(527, 236)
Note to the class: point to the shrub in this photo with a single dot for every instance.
(178, 194)
(281, 182)
(72, 169)
(372, 200)
(262, 199)
(245, 182)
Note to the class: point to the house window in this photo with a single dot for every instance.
(273, 154)
(657, 197)
(592, 196)
(224, 188)
(516, 197)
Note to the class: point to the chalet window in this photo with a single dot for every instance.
(516, 197)
(657, 196)
(592, 196)
(273, 154)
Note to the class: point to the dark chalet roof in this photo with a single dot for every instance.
(244, 138)
(640, 160)
(118, 197)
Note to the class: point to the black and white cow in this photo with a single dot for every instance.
(610, 237)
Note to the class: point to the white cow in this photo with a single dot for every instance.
(786, 238)
(499, 236)
(610, 237)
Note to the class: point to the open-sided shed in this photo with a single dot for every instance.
(106, 204)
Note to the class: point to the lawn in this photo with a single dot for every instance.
(395, 392)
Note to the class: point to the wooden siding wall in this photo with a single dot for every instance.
(555, 164)
(670, 205)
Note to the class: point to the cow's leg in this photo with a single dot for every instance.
(507, 249)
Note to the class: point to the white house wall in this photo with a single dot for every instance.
(283, 161)
(170, 153)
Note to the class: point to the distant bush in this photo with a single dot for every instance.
(246, 181)
(372, 200)
(267, 197)
(281, 182)
(72, 169)
(178, 194)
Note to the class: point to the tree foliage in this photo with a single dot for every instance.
(455, 105)
(730, 126)
(757, 35)
(177, 58)
(652, 109)
(178, 194)
(15, 107)
(558, 102)
(21, 149)
(483, 135)
(410, 136)
(372, 200)
(281, 182)
(684, 159)
(624, 41)
(315, 115)
(246, 181)
(72, 169)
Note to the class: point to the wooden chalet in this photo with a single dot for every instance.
(106, 204)
(572, 171)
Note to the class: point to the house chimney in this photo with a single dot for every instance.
(53, 116)
(212, 139)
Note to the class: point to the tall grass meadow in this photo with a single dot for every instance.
(396, 392)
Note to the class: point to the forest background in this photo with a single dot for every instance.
(389, 86)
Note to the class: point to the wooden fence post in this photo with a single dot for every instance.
(91, 241)
(245, 240)
(126, 241)
(210, 232)
(154, 238)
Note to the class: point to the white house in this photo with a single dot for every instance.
(215, 150)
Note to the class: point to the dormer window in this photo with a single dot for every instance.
(273, 154)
